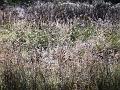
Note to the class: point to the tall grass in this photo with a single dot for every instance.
(59, 57)
(55, 56)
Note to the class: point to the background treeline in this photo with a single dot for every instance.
(28, 2)
(64, 12)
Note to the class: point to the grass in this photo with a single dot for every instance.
(59, 56)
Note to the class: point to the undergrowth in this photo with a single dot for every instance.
(59, 57)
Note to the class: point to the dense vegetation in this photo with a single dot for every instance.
(32, 1)
(60, 46)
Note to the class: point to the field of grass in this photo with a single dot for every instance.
(57, 56)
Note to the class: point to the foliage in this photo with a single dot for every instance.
(37, 55)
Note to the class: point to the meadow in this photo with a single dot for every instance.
(49, 49)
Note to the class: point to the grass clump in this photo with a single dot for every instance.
(83, 33)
